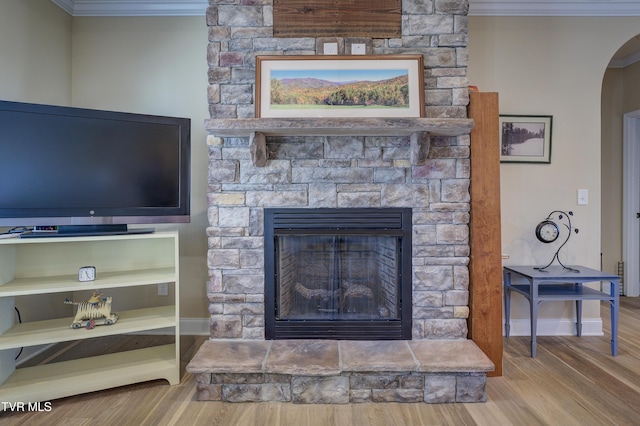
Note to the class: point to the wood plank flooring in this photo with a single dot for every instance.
(572, 381)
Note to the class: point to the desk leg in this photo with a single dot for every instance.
(579, 317)
(534, 326)
(615, 307)
(533, 301)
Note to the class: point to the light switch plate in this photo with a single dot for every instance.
(583, 197)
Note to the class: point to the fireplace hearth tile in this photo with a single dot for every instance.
(450, 356)
(304, 357)
(230, 356)
(390, 355)
(340, 372)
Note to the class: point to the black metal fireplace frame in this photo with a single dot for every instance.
(329, 221)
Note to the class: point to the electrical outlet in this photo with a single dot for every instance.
(358, 49)
(163, 289)
(330, 49)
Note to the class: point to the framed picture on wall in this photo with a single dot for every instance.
(525, 138)
(339, 86)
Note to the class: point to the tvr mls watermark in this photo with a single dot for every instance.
(26, 406)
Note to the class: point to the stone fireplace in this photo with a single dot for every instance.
(258, 166)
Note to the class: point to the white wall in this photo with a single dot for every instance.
(154, 65)
(613, 94)
(550, 66)
(35, 52)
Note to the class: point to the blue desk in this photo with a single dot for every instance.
(557, 283)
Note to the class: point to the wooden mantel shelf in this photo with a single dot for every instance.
(258, 129)
(242, 127)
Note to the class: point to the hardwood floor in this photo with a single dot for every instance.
(572, 381)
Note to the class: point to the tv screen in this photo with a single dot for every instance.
(72, 166)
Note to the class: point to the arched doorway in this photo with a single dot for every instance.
(621, 165)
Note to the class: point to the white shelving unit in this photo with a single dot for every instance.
(130, 265)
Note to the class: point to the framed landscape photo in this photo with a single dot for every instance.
(525, 138)
(339, 86)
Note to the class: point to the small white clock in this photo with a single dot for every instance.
(87, 273)
(547, 231)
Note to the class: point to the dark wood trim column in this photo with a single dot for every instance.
(485, 267)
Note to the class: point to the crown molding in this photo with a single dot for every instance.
(133, 7)
(66, 5)
(554, 8)
(476, 7)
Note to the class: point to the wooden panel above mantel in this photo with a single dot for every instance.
(244, 127)
(331, 18)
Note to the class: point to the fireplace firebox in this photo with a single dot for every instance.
(338, 274)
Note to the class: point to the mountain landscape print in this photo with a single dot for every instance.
(325, 86)
(339, 88)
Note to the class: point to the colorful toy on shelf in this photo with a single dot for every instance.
(94, 311)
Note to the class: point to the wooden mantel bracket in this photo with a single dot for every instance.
(420, 144)
(258, 149)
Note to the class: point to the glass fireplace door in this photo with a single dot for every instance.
(337, 277)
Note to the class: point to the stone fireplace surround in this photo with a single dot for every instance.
(338, 163)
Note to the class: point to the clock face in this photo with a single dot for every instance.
(87, 273)
(547, 231)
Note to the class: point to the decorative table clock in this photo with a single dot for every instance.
(548, 231)
(87, 273)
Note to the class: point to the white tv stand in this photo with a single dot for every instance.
(127, 264)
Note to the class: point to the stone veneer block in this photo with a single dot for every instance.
(439, 389)
(459, 355)
(280, 392)
(386, 355)
(304, 357)
(320, 390)
(230, 356)
(360, 395)
(397, 395)
(471, 388)
(209, 392)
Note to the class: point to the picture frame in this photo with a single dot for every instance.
(525, 138)
(339, 86)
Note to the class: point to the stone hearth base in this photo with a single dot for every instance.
(340, 372)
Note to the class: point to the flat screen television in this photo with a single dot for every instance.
(84, 171)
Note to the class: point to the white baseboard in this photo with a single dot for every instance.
(555, 327)
(188, 327)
